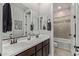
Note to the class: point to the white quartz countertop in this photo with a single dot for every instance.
(22, 45)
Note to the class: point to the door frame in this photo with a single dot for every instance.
(73, 28)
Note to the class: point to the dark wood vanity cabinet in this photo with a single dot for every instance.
(39, 53)
(46, 48)
(41, 49)
(29, 52)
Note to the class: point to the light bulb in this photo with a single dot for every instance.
(59, 7)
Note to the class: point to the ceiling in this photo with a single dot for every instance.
(61, 5)
(33, 6)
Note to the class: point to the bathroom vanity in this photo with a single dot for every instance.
(41, 49)
(26, 23)
(34, 47)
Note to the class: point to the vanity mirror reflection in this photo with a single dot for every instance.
(18, 25)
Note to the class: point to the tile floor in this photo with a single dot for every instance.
(61, 52)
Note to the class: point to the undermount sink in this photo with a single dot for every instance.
(24, 40)
(32, 39)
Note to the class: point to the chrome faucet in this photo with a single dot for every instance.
(13, 40)
(32, 34)
(29, 36)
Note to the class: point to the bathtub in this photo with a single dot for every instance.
(62, 43)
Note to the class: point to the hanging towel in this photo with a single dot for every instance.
(7, 19)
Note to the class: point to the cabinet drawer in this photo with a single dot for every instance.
(46, 42)
(28, 52)
(39, 46)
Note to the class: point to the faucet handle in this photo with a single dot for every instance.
(11, 41)
(11, 36)
(14, 40)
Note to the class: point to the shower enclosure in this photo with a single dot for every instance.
(63, 28)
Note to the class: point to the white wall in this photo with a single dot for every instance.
(35, 19)
(0, 26)
(77, 26)
(45, 12)
(52, 34)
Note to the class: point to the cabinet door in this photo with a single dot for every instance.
(38, 47)
(46, 42)
(46, 50)
(29, 52)
(33, 54)
(39, 50)
(39, 53)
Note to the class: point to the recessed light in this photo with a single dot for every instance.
(59, 7)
